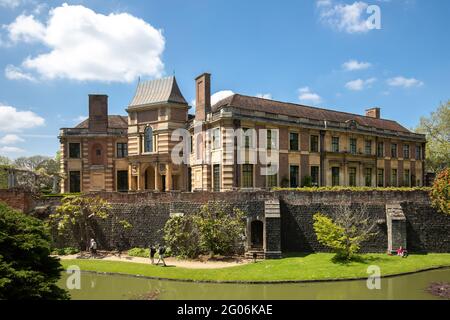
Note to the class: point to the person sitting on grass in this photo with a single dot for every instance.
(161, 251)
(402, 252)
(152, 251)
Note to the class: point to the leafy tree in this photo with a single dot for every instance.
(219, 226)
(182, 236)
(214, 229)
(78, 214)
(27, 271)
(30, 163)
(437, 131)
(346, 231)
(440, 192)
(5, 161)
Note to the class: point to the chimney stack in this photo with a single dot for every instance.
(98, 112)
(373, 113)
(202, 96)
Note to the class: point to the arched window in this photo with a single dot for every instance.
(148, 140)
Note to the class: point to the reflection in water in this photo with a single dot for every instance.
(97, 286)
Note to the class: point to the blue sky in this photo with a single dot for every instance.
(313, 52)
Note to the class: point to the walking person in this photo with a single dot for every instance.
(161, 251)
(93, 247)
(152, 251)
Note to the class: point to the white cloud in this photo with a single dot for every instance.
(359, 84)
(26, 29)
(10, 3)
(13, 120)
(307, 96)
(89, 46)
(216, 97)
(14, 73)
(11, 139)
(264, 96)
(350, 18)
(11, 150)
(353, 65)
(404, 82)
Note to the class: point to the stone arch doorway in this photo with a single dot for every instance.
(257, 234)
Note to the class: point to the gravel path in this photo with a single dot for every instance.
(170, 261)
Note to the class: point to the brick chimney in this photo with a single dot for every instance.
(373, 113)
(202, 96)
(98, 112)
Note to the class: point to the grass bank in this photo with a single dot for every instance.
(318, 266)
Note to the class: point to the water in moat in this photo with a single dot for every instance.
(118, 287)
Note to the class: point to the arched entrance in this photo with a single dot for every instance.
(257, 234)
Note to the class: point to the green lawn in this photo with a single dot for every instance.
(302, 267)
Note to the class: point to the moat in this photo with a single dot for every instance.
(118, 287)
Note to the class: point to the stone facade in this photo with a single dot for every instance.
(426, 230)
(136, 152)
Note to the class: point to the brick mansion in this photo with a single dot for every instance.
(315, 146)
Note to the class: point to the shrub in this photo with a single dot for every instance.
(27, 271)
(65, 251)
(181, 235)
(139, 252)
(219, 227)
(307, 181)
(214, 229)
(440, 192)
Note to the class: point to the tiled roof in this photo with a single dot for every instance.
(157, 91)
(114, 122)
(301, 111)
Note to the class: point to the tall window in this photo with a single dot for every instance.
(216, 138)
(406, 178)
(293, 141)
(418, 152)
(74, 181)
(394, 178)
(353, 145)
(294, 171)
(406, 151)
(247, 137)
(216, 177)
(122, 150)
(352, 177)
(74, 150)
(271, 139)
(380, 149)
(314, 143)
(335, 176)
(335, 144)
(368, 177)
(315, 175)
(368, 148)
(148, 140)
(380, 177)
(247, 176)
(272, 181)
(394, 150)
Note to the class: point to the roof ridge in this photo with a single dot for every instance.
(318, 108)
